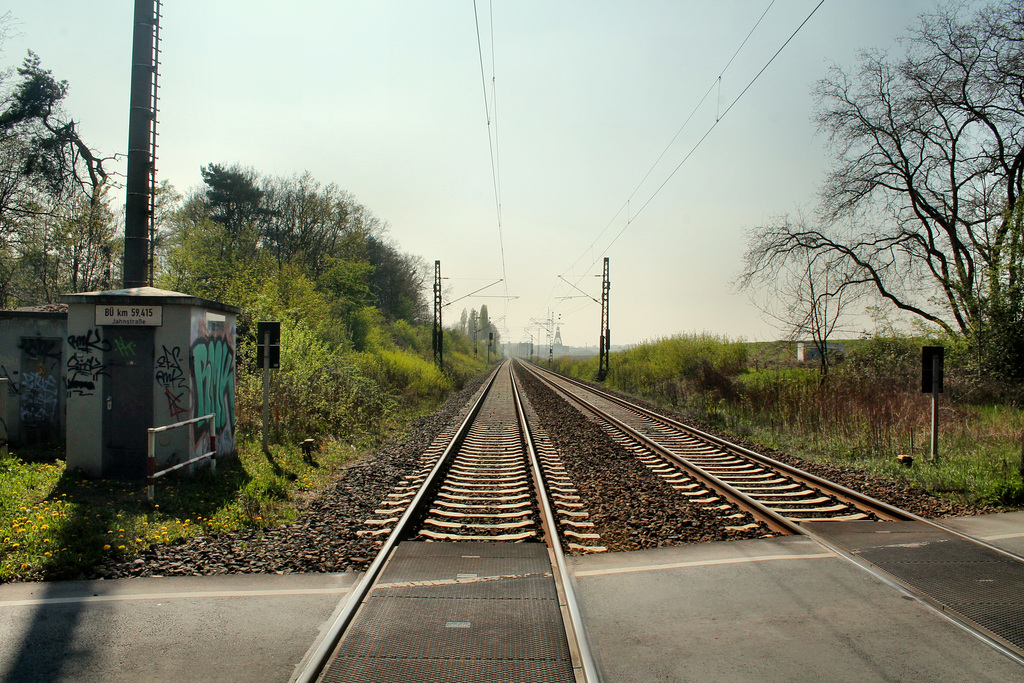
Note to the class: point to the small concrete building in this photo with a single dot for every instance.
(31, 358)
(140, 358)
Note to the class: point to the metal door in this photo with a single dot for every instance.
(127, 400)
(39, 407)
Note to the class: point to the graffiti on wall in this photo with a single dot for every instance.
(40, 349)
(171, 379)
(213, 376)
(38, 399)
(213, 364)
(40, 381)
(84, 367)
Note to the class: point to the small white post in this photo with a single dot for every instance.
(151, 464)
(266, 388)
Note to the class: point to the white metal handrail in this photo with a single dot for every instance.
(152, 472)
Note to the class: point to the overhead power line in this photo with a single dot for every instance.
(492, 138)
(718, 119)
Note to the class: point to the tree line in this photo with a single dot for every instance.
(275, 246)
(58, 231)
(294, 243)
(479, 329)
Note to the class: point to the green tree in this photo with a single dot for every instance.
(58, 229)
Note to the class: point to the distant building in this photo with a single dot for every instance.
(807, 351)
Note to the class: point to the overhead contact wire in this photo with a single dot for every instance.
(716, 83)
(715, 124)
(491, 139)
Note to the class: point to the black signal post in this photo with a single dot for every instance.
(268, 355)
(931, 382)
(606, 333)
(438, 338)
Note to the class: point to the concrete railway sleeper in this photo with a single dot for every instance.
(474, 548)
(717, 474)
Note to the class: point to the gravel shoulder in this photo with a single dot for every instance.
(636, 509)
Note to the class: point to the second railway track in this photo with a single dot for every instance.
(718, 474)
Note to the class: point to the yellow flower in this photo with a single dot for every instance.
(120, 547)
(47, 553)
(106, 547)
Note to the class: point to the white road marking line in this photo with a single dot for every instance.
(996, 537)
(172, 596)
(701, 563)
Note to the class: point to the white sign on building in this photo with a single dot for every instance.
(112, 314)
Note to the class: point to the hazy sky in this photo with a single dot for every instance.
(386, 99)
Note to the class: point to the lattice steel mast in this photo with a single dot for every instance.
(139, 201)
(606, 333)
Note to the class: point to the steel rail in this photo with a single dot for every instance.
(318, 660)
(587, 661)
(867, 503)
(883, 510)
(969, 626)
(773, 520)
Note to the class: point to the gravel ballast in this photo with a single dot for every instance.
(630, 507)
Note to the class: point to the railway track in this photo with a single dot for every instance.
(472, 564)
(714, 473)
(471, 583)
(967, 581)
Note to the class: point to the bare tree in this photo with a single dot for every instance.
(806, 293)
(930, 166)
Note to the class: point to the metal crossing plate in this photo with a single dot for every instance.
(980, 584)
(458, 612)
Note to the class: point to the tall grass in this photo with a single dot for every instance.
(869, 409)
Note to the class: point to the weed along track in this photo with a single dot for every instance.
(607, 493)
(750, 490)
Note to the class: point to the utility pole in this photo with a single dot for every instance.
(546, 324)
(138, 210)
(551, 339)
(438, 338)
(606, 333)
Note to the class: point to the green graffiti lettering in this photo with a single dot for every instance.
(213, 365)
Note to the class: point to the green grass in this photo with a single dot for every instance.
(54, 524)
(868, 411)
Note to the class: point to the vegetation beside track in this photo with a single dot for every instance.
(57, 524)
(867, 411)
